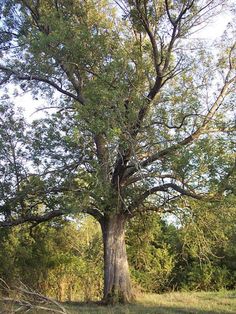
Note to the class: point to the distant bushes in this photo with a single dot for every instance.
(64, 259)
(55, 259)
(196, 252)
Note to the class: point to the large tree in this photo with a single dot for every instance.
(141, 106)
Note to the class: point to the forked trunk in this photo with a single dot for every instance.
(117, 285)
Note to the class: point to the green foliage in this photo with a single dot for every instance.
(151, 258)
(207, 277)
(205, 239)
(62, 260)
(195, 252)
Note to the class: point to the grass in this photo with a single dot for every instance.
(170, 303)
(223, 302)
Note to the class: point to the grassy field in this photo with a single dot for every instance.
(171, 303)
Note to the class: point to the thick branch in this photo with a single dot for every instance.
(145, 23)
(143, 176)
(102, 154)
(176, 126)
(32, 218)
(28, 77)
(163, 188)
(48, 216)
(95, 213)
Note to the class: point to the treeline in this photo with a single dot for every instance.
(63, 259)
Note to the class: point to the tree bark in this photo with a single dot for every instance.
(117, 284)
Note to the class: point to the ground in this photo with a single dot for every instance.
(170, 303)
(222, 302)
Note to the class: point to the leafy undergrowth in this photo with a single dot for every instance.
(169, 303)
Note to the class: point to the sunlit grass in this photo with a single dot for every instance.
(223, 302)
(170, 303)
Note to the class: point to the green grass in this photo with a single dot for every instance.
(223, 302)
(170, 303)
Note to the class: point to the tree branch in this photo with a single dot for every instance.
(28, 77)
(102, 154)
(189, 139)
(32, 218)
(94, 212)
(163, 188)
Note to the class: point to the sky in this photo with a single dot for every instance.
(31, 106)
(215, 28)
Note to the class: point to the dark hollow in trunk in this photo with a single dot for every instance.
(117, 285)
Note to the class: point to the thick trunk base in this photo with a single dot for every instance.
(117, 285)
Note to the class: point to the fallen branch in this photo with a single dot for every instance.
(22, 299)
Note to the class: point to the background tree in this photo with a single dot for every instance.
(139, 101)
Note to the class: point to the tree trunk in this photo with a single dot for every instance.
(117, 285)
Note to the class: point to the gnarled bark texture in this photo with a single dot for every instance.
(117, 285)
